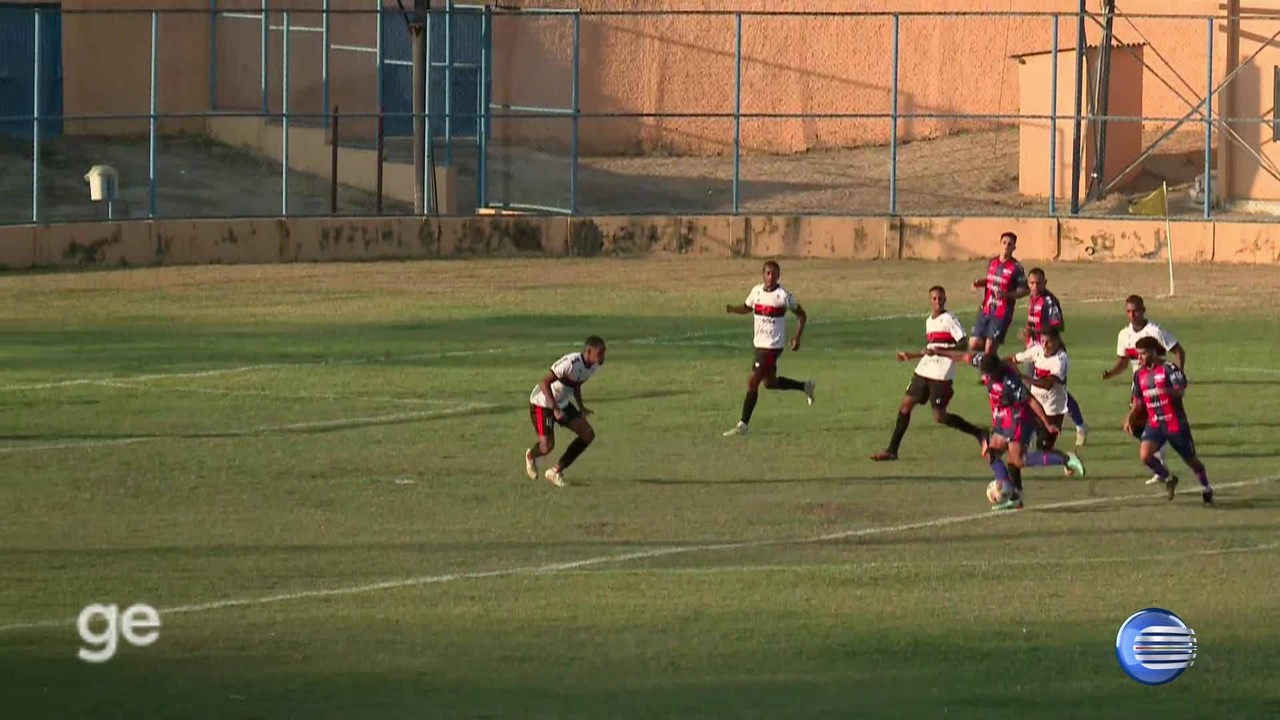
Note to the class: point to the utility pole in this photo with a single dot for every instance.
(418, 28)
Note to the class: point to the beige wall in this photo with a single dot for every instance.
(1250, 95)
(319, 239)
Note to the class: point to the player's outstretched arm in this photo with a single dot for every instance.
(547, 379)
(577, 397)
(1181, 354)
(1135, 414)
(1038, 409)
(742, 309)
(904, 356)
(958, 353)
(801, 319)
(1114, 370)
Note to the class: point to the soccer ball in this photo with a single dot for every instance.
(998, 491)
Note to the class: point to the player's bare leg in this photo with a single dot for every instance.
(543, 447)
(748, 405)
(1077, 419)
(951, 420)
(585, 436)
(1197, 467)
(1150, 453)
(899, 430)
(1046, 454)
(1136, 431)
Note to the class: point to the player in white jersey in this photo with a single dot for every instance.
(1127, 353)
(550, 405)
(769, 303)
(1048, 381)
(931, 383)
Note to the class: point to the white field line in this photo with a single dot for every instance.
(336, 424)
(889, 564)
(268, 393)
(552, 568)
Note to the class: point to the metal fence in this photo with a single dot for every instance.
(251, 110)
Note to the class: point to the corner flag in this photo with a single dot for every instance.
(1155, 205)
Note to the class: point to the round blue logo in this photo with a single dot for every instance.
(1154, 646)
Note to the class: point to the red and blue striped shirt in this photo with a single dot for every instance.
(1154, 386)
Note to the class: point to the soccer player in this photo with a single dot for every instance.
(550, 405)
(1044, 312)
(769, 303)
(1014, 412)
(1158, 389)
(1004, 284)
(1127, 351)
(1048, 377)
(931, 382)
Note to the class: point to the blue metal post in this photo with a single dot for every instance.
(428, 147)
(35, 127)
(151, 141)
(576, 104)
(448, 82)
(284, 116)
(213, 54)
(1208, 126)
(262, 70)
(1053, 122)
(893, 134)
(482, 119)
(737, 111)
(324, 63)
(377, 49)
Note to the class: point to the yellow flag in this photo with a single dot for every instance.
(1154, 204)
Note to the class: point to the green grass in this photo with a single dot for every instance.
(683, 575)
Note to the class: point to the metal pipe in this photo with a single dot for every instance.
(35, 125)
(737, 111)
(1075, 132)
(429, 144)
(419, 111)
(448, 83)
(284, 118)
(1208, 124)
(1098, 176)
(380, 151)
(333, 165)
(893, 132)
(482, 141)
(151, 125)
(487, 55)
(575, 103)
(213, 54)
(1053, 122)
(324, 57)
(266, 40)
(378, 59)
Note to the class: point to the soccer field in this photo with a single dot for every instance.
(315, 473)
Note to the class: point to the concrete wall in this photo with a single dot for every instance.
(851, 238)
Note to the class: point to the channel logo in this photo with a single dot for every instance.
(1154, 646)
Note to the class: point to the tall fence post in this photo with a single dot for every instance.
(575, 102)
(482, 112)
(262, 70)
(737, 111)
(377, 55)
(448, 83)
(151, 140)
(1078, 111)
(284, 115)
(893, 112)
(324, 59)
(1053, 121)
(1208, 125)
(35, 124)
(213, 54)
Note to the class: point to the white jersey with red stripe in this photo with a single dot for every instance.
(770, 309)
(1126, 343)
(571, 371)
(943, 331)
(1044, 366)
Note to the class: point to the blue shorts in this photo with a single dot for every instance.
(1180, 441)
(992, 326)
(1015, 425)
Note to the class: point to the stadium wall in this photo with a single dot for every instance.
(234, 241)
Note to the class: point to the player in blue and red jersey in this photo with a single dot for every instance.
(1015, 416)
(1158, 388)
(1004, 283)
(1044, 312)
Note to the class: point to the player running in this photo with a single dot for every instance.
(931, 383)
(1048, 378)
(550, 405)
(1014, 412)
(769, 303)
(1004, 283)
(1127, 351)
(1158, 389)
(1044, 312)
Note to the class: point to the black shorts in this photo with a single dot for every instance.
(1046, 440)
(766, 361)
(935, 393)
(544, 419)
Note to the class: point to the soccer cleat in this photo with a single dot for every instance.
(1154, 479)
(1082, 436)
(555, 477)
(1013, 503)
(1207, 498)
(1171, 484)
(1074, 466)
(886, 455)
(808, 390)
(739, 429)
(984, 443)
(530, 465)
